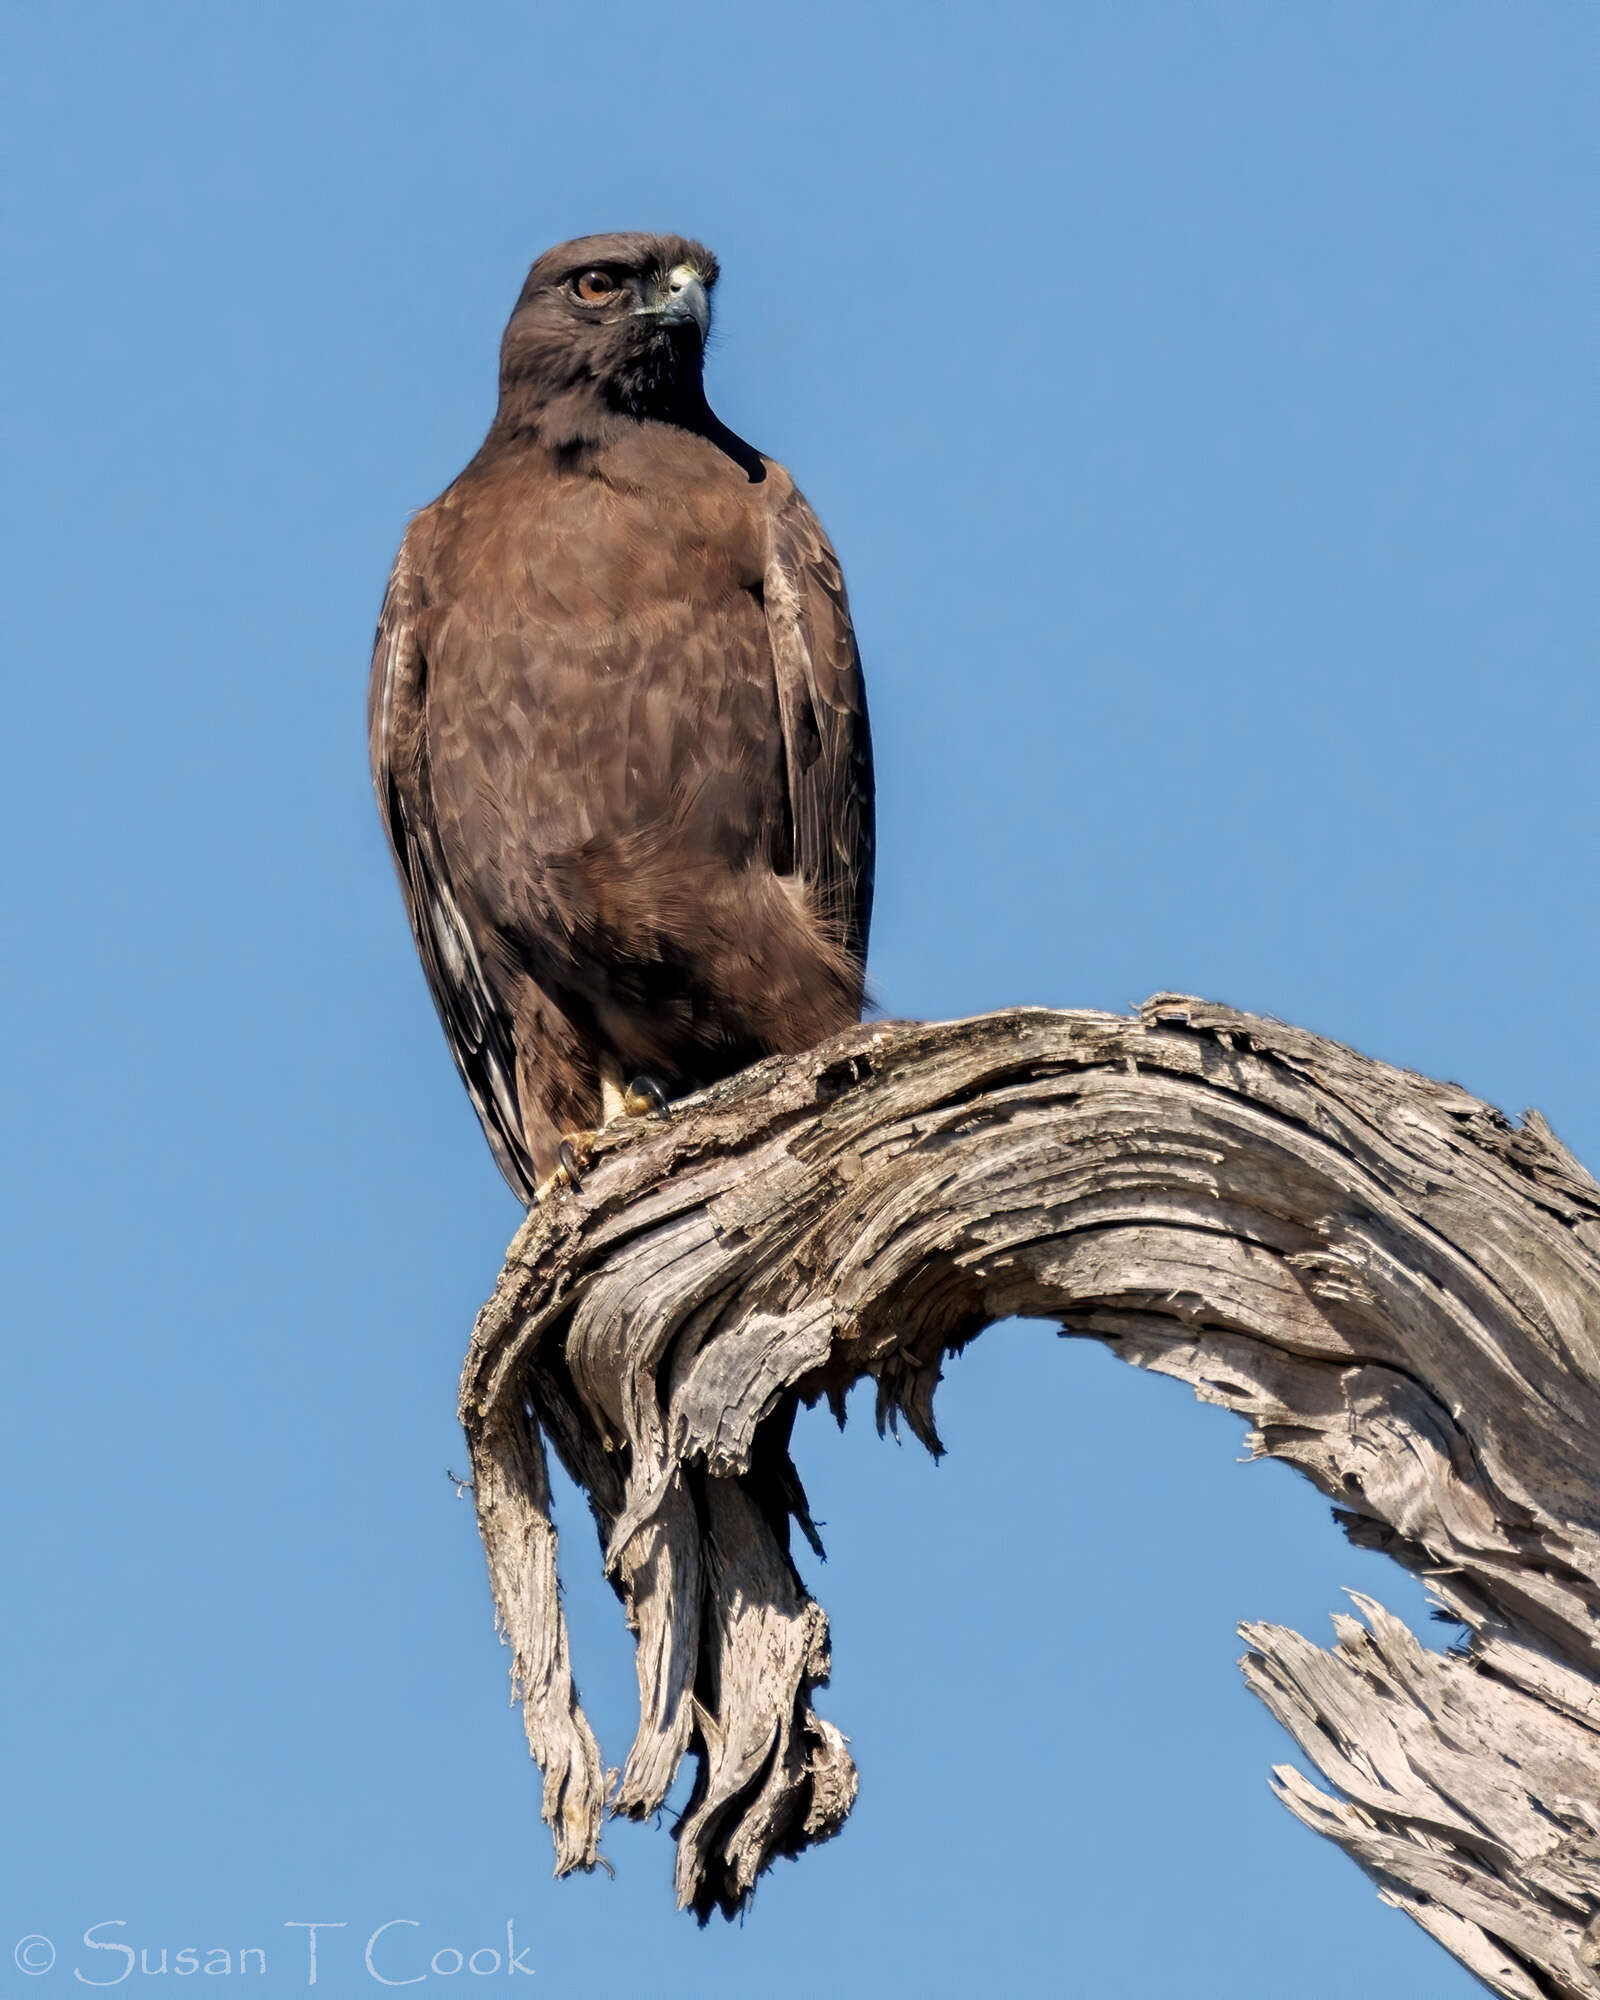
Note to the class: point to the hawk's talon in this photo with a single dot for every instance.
(643, 1096)
(573, 1153)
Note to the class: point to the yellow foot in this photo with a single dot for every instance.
(634, 1100)
(643, 1096)
(574, 1153)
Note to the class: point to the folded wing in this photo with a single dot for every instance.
(479, 1032)
(827, 746)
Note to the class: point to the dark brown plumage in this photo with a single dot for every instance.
(617, 724)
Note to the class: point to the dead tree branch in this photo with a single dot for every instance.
(1399, 1288)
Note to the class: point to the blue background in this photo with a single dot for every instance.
(1202, 400)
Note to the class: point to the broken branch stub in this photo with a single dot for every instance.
(1398, 1288)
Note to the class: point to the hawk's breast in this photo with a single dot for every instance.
(599, 664)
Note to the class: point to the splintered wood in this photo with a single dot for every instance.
(1398, 1288)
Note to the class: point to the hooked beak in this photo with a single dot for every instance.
(682, 296)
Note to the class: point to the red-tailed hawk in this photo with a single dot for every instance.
(617, 725)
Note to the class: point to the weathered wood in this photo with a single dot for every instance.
(1399, 1288)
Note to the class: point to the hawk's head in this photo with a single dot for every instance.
(617, 323)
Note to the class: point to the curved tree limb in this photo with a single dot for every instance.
(1396, 1286)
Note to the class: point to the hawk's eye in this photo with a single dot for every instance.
(595, 288)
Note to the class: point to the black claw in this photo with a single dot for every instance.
(645, 1094)
(569, 1165)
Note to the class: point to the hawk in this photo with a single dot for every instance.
(617, 726)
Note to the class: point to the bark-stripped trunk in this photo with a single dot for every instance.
(1396, 1286)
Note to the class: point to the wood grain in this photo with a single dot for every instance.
(1398, 1287)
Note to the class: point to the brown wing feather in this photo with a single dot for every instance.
(479, 1032)
(827, 745)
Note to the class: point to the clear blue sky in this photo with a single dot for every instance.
(1202, 401)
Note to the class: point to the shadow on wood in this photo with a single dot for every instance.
(1399, 1289)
